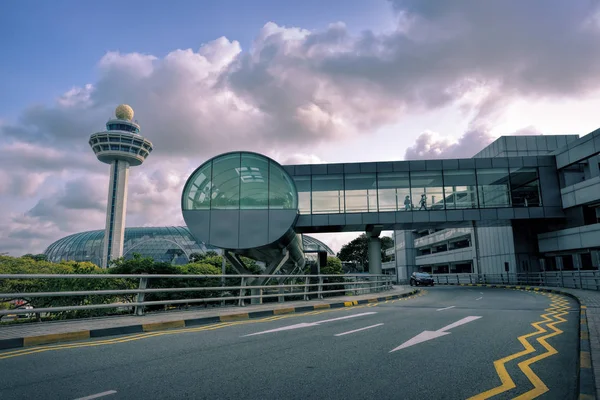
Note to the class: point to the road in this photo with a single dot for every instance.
(439, 345)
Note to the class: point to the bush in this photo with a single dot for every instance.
(29, 265)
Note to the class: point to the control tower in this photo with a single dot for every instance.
(121, 146)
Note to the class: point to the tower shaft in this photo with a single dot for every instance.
(115, 212)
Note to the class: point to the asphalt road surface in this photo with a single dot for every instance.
(447, 343)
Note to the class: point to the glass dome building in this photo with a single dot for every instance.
(171, 244)
(166, 244)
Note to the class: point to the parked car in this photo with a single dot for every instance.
(421, 279)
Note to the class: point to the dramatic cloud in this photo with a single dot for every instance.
(292, 90)
(431, 145)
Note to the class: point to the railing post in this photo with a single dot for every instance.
(139, 298)
(281, 299)
(241, 302)
(320, 290)
(306, 283)
(470, 278)
(447, 280)
(580, 280)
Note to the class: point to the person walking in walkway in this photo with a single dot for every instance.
(407, 206)
(423, 202)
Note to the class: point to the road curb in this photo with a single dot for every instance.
(184, 323)
(586, 382)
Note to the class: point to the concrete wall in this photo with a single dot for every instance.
(495, 246)
(583, 237)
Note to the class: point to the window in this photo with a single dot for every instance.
(427, 190)
(281, 189)
(460, 189)
(327, 194)
(393, 191)
(197, 196)
(225, 193)
(304, 193)
(493, 188)
(525, 187)
(254, 182)
(360, 193)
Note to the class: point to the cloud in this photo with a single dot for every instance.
(431, 145)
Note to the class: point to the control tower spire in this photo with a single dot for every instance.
(121, 146)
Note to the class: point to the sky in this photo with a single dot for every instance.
(300, 81)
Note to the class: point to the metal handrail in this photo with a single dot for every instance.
(576, 279)
(357, 283)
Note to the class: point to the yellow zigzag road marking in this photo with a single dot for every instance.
(539, 386)
(507, 382)
(140, 336)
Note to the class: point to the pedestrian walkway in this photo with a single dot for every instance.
(28, 334)
(590, 299)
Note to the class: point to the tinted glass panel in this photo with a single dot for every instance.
(361, 193)
(393, 191)
(327, 194)
(303, 188)
(493, 187)
(225, 193)
(460, 189)
(525, 187)
(427, 190)
(281, 189)
(254, 182)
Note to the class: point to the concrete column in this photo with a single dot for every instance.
(559, 264)
(596, 259)
(116, 210)
(374, 255)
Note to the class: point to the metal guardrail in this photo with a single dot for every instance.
(303, 286)
(589, 279)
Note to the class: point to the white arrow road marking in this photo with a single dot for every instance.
(479, 298)
(428, 335)
(307, 324)
(358, 330)
(446, 308)
(98, 395)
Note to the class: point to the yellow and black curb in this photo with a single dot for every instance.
(587, 382)
(185, 323)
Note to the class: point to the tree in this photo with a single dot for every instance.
(197, 257)
(357, 250)
(36, 257)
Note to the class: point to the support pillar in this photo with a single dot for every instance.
(374, 255)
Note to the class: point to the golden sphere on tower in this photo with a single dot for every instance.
(125, 112)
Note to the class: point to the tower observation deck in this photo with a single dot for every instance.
(121, 146)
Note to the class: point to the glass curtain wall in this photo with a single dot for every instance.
(394, 191)
(403, 191)
(243, 181)
(328, 194)
(303, 187)
(493, 187)
(460, 189)
(525, 187)
(427, 190)
(360, 193)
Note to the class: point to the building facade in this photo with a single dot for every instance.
(492, 247)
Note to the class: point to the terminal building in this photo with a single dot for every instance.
(522, 204)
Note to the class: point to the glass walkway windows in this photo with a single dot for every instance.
(443, 189)
(240, 181)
